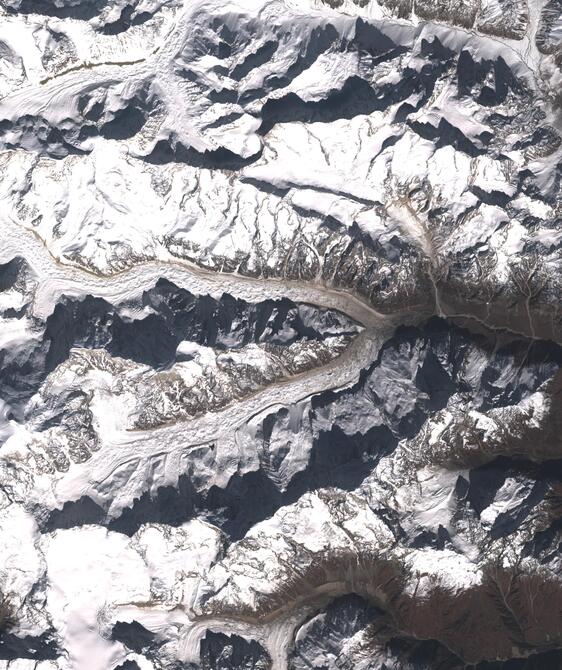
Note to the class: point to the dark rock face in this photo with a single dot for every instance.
(229, 652)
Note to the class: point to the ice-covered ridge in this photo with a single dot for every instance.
(359, 212)
(93, 369)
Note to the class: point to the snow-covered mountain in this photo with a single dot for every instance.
(280, 334)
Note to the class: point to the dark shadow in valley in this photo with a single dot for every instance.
(40, 648)
(231, 652)
(215, 159)
(357, 96)
(134, 636)
(172, 315)
(415, 374)
(80, 10)
(35, 134)
(217, 651)
(488, 82)
(533, 484)
(81, 512)
(126, 20)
